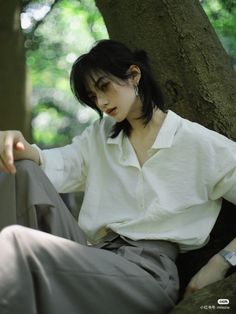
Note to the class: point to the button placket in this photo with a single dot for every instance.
(140, 190)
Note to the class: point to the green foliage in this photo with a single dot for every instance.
(57, 117)
(68, 31)
(222, 14)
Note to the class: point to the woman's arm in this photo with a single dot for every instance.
(13, 146)
(213, 271)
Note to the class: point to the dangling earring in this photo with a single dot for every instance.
(136, 90)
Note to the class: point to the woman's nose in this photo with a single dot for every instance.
(102, 102)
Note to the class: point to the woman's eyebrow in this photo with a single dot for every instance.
(96, 84)
(99, 80)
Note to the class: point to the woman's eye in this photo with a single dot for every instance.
(104, 86)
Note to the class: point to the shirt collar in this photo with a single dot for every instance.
(165, 135)
(116, 140)
(167, 131)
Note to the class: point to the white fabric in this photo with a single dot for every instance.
(175, 196)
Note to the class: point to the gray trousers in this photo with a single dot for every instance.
(52, 270)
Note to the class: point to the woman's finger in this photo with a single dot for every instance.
(4, 167)
(19, 146)
(8, 150)
(7, 155)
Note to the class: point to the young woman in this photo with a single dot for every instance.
(153, 185)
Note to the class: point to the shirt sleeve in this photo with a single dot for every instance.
(223, 167)
(229, 182)
(66, 167)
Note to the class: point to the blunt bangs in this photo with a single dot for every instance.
(82, 74)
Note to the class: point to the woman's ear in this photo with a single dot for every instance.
(135, 73)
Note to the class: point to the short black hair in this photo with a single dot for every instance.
(114, 58)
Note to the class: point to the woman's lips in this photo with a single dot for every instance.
(112, 111)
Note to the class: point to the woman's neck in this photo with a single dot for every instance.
(139, 129)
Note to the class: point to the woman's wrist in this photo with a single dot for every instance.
(220, 263)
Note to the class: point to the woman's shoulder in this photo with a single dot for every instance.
(197, 133)
(205, 145)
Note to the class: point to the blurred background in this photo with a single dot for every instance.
(56, 33)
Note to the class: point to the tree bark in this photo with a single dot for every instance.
(206, 299)
(198, 82)
(190, 64)
(15, 111)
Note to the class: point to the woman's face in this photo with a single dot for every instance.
(115, 97)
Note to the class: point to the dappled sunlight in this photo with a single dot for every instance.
(35, 13)
(222, 16)
(55, 37)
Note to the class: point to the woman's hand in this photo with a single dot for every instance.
(213, 271)
(12, 145)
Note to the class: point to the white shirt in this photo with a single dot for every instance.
(176, 195)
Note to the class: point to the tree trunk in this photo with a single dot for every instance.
(189, 62)
(198, 82)
(14, 112)
(206, 299)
